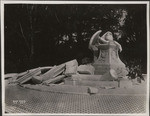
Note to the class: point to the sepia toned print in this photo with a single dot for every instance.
(75, 58)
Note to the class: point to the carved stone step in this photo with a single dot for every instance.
(69, 81)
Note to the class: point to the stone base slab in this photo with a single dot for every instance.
(69, 81)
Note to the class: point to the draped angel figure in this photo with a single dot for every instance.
(105, 51)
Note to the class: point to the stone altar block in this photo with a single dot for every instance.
(106, 57)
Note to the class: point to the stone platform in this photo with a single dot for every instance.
(127, 98)
(108, 101)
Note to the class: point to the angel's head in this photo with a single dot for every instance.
(108, 36)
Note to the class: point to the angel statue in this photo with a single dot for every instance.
(105, 51)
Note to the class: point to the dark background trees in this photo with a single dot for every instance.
(44, 35)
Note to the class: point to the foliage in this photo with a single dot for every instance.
(135, 69)
(43, 34)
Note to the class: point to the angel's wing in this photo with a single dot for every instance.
(94, 38)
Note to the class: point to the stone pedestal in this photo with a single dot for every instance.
(106, 58)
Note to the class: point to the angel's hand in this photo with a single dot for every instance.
(94, 48)
(120, 48)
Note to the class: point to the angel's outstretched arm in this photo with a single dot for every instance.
(103, 40)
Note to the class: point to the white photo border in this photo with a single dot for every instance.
(3, 2)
